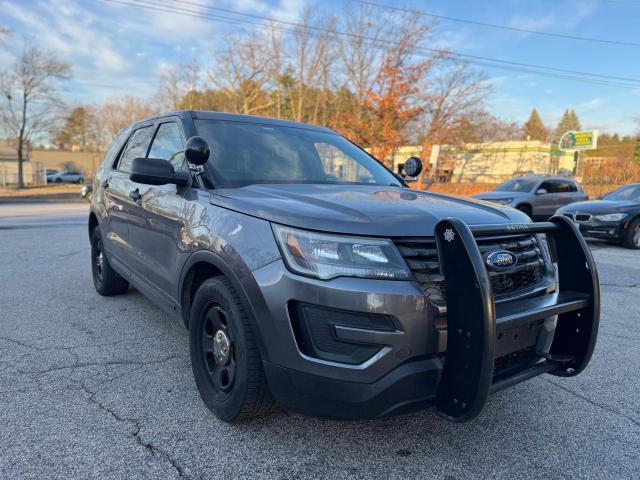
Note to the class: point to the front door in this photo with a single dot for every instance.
(156, 231)
(118, 202)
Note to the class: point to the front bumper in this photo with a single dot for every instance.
(594, 228)
(408, 370)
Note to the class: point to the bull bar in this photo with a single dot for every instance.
(468, 372)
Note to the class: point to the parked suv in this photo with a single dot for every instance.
(310, 275)
(537, 196)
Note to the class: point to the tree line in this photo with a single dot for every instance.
(360, 71)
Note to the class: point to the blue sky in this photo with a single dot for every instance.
(119, 49)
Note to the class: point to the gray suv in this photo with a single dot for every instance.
(310, 276)
(536, 195)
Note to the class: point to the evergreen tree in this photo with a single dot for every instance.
(636, 151)
(568, 122)
(534, 129)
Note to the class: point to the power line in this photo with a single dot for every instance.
(497, 26)
(361, 37)
(239, 18)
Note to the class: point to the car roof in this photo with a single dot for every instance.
(235, 117)
(546, 177)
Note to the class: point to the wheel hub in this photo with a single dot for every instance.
(221, 347)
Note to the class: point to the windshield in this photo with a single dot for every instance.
(248, 153)
(516, 185)
(630, 193)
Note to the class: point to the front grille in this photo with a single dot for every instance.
(422, 258)
(513, 361)
(582, 217)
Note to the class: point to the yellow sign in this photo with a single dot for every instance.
(586, 140)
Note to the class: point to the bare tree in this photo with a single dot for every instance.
(115, 114)
(245, 70)
(456, 91)
(31, 105)
(176, 84)
(310, 57)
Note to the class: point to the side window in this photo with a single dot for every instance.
(167, 145)
(340, 167)
(548, 186)
(565, 186)
(137, 147)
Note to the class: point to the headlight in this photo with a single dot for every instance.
(611, 217)
(503, 201)
(328, 256)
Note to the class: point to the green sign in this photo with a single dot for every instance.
(586, 140)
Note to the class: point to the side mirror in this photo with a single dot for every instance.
(541, 191)
(197, 151)
(155, 171)
(412, 167)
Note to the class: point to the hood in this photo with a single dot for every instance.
(359, 210)
(500, 195)
(597, 207)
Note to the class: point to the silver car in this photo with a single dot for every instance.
(536, 195)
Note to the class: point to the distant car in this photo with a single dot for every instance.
(538, 196)
(50, 173)
(66, 177)
(87, 191)
(614, 217)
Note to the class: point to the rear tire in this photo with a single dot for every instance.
(105, 279)
(226, 363)
(632, 235)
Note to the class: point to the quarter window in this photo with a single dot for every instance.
(136, 148)
(167, 145)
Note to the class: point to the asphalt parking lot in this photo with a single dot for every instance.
(102, 387)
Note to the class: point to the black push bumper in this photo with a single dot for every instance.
(468, 373)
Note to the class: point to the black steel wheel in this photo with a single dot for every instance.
(218, 349)
(105, 279)
(226, 363)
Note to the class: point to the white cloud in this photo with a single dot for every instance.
(529, 22)
(591, 104)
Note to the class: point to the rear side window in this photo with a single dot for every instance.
(136, 148)
(167, 145)
(559, 186)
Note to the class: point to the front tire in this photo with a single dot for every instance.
(632, 235)
(526, 209)
(226, 363)
(105, 279)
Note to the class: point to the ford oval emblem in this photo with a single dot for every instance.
(501, 260)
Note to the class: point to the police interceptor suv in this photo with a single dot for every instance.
(310, 276)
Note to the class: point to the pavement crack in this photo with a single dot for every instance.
(622, 285)
(77, 364)
(156, 451)
(619, 336)
(136, 425)
(595, 404)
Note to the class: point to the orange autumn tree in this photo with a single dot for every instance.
(390, 104)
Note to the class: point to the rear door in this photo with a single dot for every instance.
(156, 231)
(567, 192)
(117, 199)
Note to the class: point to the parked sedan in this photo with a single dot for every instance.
(614, 217)
(538, 196)
(66, 177)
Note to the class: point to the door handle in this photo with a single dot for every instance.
(135, 195)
